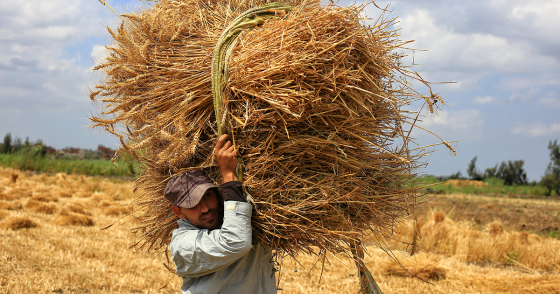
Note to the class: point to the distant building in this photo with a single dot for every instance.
(50, 150)
(70, 153)
(105, 152)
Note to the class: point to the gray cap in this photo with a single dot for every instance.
(186, 189)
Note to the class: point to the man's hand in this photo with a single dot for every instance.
(226, 157)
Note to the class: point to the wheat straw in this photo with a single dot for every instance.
(314, 101)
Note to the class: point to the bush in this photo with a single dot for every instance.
(551, 179)
(512, 172)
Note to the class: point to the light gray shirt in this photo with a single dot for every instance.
(222, 260)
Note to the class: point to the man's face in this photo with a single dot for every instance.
(206, 214)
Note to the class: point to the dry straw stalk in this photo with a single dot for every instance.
(314, 101)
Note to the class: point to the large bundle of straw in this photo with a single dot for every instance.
(314, 101)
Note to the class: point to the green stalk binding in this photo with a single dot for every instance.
(222, 54)
(225, 45)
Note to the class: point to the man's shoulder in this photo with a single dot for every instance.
(185, 227)
(184, 224)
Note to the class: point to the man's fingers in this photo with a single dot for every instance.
(226, 152)
(231, 150)
(226, 145)
(221, 141)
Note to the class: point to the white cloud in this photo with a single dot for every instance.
(484, 100)
(43, 79)
(536, 129)
(535, 81)
(469, 51)
(35, 21)
(522, 95)
(550, 101)
(509, 40)
(532, 22)
(49, 87)
(40, 44)
(461, 120)
(98, 54)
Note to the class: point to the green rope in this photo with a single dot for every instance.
(222, 54)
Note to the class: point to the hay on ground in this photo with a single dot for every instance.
(116, 210)
(64, 192)
(17, 193)
(18, 223)
(423, 266)
(104, 204)
(463, 242)
(44, 197)
(8, 197)
(465, 183)
(495, 228)
(10, 205)
(5, 197)
(77, 207)
(14, 177)
(83, 194)
(66, 218)
(40, 207)
(314, 101)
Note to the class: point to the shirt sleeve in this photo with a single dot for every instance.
(200, 252)
(233, 191)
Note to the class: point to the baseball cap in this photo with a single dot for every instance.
(186, 189)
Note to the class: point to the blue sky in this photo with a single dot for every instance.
(503, 55)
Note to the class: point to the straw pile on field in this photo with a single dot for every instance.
(461, 240)
(312, 97)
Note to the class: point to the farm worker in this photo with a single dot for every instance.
(212, 248)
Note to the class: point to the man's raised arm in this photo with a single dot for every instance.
(197, 248)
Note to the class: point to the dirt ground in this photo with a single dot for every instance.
(539, 216)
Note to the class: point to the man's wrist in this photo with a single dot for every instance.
(228, 176)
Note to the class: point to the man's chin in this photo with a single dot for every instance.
(215, 225)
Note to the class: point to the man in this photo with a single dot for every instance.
(212, 248)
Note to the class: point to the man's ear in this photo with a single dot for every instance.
(178, 212)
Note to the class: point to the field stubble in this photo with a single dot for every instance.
(51, 242)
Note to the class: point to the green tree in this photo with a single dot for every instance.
(7, 147)
(27, 144)
(473, 172)
(39, 149)
(17, 145)
(512, 172)
(491, 172)
(551, 179)
(455, 176)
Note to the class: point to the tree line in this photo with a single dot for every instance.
(16, 145)
(513, 173)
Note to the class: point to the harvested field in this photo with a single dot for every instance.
(53, 258)
(538, 216)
